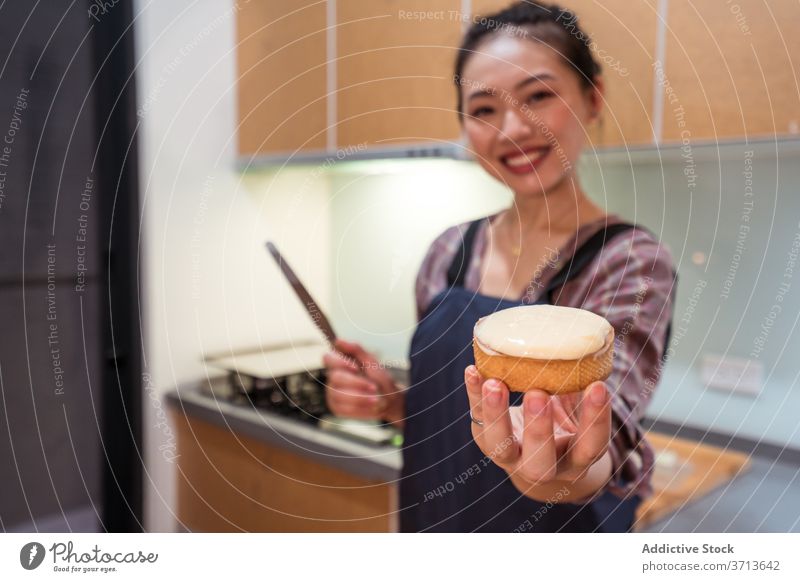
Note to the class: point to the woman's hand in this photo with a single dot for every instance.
(549, 444)
(359, 386)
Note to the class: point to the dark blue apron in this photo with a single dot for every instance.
(448, 484)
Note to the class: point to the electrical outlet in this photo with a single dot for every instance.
(732, 374)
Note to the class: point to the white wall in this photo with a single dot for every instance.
(384, 216)
(208, 284)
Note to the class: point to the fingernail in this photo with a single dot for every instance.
(598, 395)
(491, 392)
(536, 404)
(471, 372)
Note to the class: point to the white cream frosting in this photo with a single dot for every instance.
(543, 332)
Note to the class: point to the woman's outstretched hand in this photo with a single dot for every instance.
(548, 444)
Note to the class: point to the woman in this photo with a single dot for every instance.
(476, 457)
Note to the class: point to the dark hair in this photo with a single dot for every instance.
(546, 23)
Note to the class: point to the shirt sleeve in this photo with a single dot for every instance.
(631, 284)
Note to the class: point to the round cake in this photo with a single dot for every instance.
(545, 347)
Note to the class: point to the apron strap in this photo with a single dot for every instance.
(457, 271)
(585, 255)
(458, 268)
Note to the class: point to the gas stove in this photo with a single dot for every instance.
(289, 380)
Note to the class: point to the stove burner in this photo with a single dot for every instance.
(300, 396)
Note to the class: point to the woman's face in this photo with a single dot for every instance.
(525, 113)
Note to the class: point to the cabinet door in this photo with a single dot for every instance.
(229, 482)
(623, 37)
(732, 69)
(395, 71)
(281, 76)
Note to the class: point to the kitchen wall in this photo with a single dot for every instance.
(208, 284)
(731, 217)
(384, 215)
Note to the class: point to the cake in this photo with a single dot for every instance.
(546, 347)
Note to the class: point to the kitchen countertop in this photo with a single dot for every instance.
(198, 400)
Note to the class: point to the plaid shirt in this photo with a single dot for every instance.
(630, 283)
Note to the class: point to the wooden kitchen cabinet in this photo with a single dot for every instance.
(623, 35)
(228, 482)
(395, 71)
(733, 69)
(281, 57)
(727, 71)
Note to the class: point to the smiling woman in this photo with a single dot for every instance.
(525, 108)
(477, 457)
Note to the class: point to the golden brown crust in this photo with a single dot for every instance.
(554, 376)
